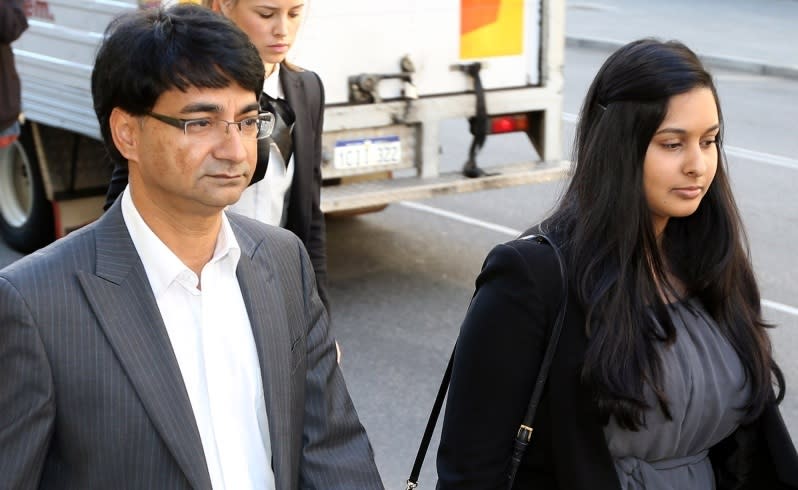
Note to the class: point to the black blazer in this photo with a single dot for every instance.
(501, 344)
(304, 93)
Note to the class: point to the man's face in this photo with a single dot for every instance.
(190, 174)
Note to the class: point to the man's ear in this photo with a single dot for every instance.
(125, 133)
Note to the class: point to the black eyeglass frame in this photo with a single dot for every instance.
(263, 117)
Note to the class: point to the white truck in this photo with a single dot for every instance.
(393, 71)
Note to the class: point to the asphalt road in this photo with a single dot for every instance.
(401, 279)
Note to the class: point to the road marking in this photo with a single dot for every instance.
(512, 232)
(461, 218)
(757, 156)
(790, 310)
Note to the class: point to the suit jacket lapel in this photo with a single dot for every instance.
(294, 89)
(119, 293)
(273, 342)
(291, 84)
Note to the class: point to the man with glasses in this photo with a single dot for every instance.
(170, 344)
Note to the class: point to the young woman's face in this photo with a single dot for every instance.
(270, 24)
(682, 157)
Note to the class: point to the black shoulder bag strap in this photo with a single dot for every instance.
(524, 435)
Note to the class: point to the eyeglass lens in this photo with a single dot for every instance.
(252, 127)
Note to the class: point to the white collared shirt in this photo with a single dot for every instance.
(267, 200)
(211, 336)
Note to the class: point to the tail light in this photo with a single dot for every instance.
(509, 123)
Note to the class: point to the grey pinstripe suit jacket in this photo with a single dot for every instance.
(91, 395)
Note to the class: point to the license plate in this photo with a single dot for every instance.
(368, 152)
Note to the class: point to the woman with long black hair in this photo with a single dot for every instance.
(663, 377)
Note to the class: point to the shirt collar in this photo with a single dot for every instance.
(271, 86)
(162, 266)
(226, 244)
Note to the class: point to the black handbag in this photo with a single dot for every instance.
(524, 435)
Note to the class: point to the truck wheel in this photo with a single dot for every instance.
(26, 216)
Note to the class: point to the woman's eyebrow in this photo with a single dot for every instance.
(684, 131)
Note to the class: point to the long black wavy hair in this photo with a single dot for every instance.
(606, 231)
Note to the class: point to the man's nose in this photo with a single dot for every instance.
(232, 146)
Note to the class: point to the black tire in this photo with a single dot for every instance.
(26, 216)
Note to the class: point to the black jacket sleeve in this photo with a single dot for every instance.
(498, 353)
(317, 240)
(757, 455)
(12, 21)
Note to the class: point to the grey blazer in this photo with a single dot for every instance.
(91, 395)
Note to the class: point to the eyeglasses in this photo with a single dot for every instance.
(258, 127)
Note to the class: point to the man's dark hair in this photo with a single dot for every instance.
(149, 52)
